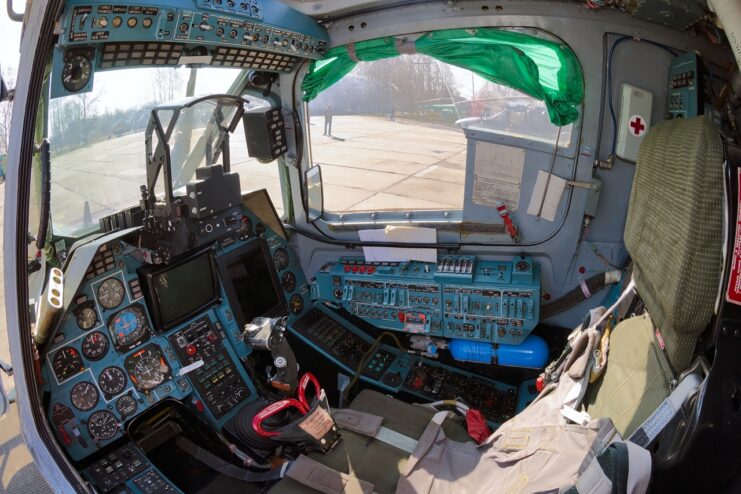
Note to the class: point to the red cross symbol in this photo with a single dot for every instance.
(637, 125)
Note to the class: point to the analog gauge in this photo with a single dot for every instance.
(102, 425)
(522, 266)
(147, 368)
(288, 281)
(76, 72)
(111, 293)
(86, 316)
(84, 396)
(296, 304)
(112, 381)
(66, 363)
(95, 346)
(280, 258)
(126, 406)
(129, 327)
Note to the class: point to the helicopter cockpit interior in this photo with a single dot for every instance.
(222, 298)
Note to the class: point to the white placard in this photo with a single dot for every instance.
(498, 175)
(405, 234)
(556, 186)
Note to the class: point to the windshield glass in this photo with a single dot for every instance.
(98, 147)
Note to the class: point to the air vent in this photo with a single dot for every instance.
(125, 54)
(237, 57)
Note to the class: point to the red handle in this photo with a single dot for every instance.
(271, 410)
(303, 384)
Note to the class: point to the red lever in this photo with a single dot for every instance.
(271, 410)
(303, 384)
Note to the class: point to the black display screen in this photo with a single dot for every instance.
(181, 290)
(250, 282)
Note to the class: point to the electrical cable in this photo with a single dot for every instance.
(615, 44)
(366, 357)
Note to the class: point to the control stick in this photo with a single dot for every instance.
(265, 333)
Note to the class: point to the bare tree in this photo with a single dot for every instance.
(87, 101)
(166, 84)
(6, 111)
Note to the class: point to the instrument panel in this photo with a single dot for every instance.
(99, 35)
(106, 363)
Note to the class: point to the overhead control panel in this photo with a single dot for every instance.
(683, 93)
(265, 35)
(459, 297)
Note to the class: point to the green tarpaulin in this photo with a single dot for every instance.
(543, 69)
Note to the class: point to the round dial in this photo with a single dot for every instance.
(112, 381)
(280, 258)
(128, 327)
(86, 316)
(66, 363)
(102, 425)
(111, 293)
(95, 346)
(126, 406)
(147, 368)
(84, 396)
(259, 229)
(288, 281)
(296, 303)
(76, 72)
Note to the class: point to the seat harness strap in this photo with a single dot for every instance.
(313, 474)
(369, 425)
(661, 417)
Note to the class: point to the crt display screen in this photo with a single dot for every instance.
(249, 279)
(183, 289)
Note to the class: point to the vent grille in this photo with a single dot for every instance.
(128, 54)
(125, 54)
(238, 57)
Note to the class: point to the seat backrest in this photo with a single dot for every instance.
(674, 230)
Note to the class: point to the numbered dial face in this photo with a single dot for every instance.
(147, 368)
(84, 396)
(296, 304)
(129, 327)
(86, 316)
(112, 381)
(76, 72)
(111, 293)
(66, 363)
(288, 281)
(126, 406)
(280, 258)
(95, 346)
(102, 425)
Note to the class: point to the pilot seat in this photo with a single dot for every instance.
(674, 234)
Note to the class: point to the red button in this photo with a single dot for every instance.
(199, 405)
(354, 269)
(347, 268)
(213, 337)
(402, 316)
(371, 269)
(190, 350)
(362, 269)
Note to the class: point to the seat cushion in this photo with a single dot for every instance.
(674, 230)
(372, 460)
(636, 380)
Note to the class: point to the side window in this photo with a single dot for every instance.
(389, 135)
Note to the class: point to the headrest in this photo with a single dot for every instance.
(674, 230)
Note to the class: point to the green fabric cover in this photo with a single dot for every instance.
(372, 460)
(636, 379)
(543, 69)
(674, 230)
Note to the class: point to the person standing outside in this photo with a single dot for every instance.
(328, 120)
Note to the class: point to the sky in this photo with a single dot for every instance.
(10, 37)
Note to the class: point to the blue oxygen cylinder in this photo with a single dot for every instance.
(531, 353)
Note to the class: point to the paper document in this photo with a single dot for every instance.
(406, 234)
(497, 175)
(553, 196)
